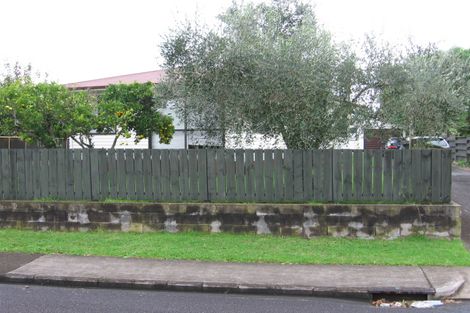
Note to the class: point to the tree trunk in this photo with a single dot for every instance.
(116, 139)
(82, 144)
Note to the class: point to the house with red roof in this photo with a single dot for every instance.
(182, 139)
(101, 83)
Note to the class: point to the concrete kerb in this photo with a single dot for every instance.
(17, 278)
(448, 281)
(211, 287)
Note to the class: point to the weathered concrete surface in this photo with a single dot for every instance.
(217, 277)
(354, 220)
(447, 281)
(452, 282)
(11, 261)
(461, 195)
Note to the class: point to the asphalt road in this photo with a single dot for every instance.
(461, 195)
(42, 299)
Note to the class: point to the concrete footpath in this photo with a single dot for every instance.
(321, 280)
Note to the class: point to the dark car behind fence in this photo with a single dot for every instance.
(227, 175)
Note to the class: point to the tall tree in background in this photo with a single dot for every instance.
(424, 91)
(463, 126)
(268, 69)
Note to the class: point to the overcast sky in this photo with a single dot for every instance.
(86, 39)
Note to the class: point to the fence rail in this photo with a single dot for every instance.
(227, 175)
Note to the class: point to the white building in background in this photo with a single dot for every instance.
(356, 141)
(182, 138)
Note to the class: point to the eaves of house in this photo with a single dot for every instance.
(102, 83)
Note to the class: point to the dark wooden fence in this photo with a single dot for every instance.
(227, 175)
(460, 148)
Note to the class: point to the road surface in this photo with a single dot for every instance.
(46, 299)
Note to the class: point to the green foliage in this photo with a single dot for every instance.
(54, 115)
(463, 122)
(226, 247)
(123, 109)
(7, 111)
(424, 91)
(463, 163)
(14, 73)
(48, 114)
(271, 69)
(45, 114)
(268, 69)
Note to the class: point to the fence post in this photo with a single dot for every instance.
(208, 198)
(332, 176)
(468, 149)
(451, 141)
(14, 174)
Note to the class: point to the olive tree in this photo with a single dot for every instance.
(268, 69)
(424, 91)
(463, 124)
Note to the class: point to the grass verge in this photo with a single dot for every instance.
(240, 248)
(463, 163)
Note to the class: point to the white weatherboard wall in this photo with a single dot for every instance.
(356, 141)
(106, 141)
(194, 137)
(257, 141)
(198, 138)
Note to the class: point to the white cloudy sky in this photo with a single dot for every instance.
(87, 39)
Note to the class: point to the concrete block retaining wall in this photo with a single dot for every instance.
(365, 221)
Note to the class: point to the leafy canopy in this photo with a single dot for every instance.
(463, 123)
(424, 91)
(127, 108)
(48, 114)
(269, 69)
(44, 113)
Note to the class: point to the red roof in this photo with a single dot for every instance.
(151, 76)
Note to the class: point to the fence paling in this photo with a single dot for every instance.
(227, 175)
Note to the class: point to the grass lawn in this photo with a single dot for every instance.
(240, 248)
